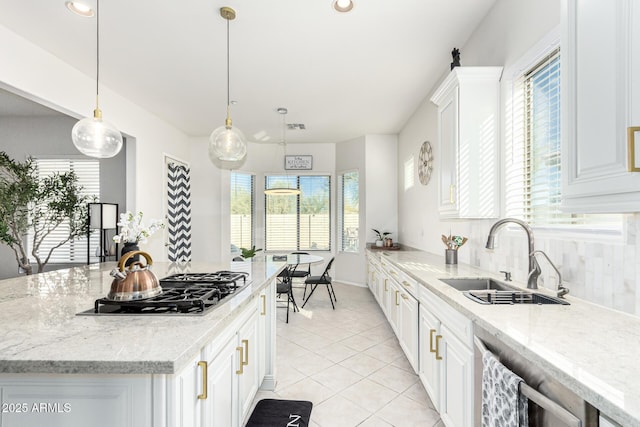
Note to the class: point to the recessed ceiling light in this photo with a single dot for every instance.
(343, 5)
(80, 9)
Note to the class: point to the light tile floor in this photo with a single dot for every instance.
(348, 363)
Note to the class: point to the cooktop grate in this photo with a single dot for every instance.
(183, 293)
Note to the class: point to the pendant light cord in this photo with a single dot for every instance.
(228, 96)
(97, 51)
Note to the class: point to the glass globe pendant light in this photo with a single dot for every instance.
(93, 136)
(226, 142)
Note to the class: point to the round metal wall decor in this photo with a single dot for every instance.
(425, 163)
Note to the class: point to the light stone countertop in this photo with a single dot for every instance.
(592, 350)
(41, 332)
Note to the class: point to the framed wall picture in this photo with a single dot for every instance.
(298, 162)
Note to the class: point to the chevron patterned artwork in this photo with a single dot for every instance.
(179, 213)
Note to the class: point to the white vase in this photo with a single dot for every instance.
(379, 243)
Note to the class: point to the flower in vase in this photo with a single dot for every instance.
(133, 230)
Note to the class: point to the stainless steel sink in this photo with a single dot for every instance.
(476, 284)
(511, 297)
(485, 290)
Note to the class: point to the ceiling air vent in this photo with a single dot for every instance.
(294, 126)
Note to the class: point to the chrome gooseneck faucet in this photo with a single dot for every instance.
(534, 267)
(562, 291)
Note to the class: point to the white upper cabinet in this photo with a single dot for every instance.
(600, 51)
(468, 134)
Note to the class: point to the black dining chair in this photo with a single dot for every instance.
(314, 281)
(283, 287)
(299, 273)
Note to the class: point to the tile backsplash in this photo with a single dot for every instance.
(603, 272)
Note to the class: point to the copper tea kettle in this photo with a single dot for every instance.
(135, 282)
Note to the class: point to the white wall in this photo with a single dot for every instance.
(605, 272)
(28, 70)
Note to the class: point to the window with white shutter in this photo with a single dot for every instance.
(348, 211)
(242, 209)
(88, 174)
(301, 222)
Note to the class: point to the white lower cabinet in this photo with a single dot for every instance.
(235, 368)
(456, 385)
(221, 400)
(408, 327)
(429, 370)
(375, 278)
(393, 315)
(30, 400)
(437, 340)
(446, 360)
(395, 294)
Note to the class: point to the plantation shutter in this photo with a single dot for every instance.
(314, 213)
(298, 222)
(348, 211)
(542, 189)
(242, 209)
(88, 174)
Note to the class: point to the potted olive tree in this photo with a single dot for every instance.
(35, 207)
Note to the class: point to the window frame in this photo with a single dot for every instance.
(297, 178)
(252, 205)
(340, 212)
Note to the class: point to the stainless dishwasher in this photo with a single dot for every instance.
(550, 403)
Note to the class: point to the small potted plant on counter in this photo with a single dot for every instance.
(381, 237)
(249, 253)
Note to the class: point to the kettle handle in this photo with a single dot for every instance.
(128, 255)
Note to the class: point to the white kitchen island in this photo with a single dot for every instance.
(61, 369)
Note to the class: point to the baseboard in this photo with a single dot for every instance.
(360, 285)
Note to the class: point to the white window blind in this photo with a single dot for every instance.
(533, 163)
(88, 174)
(300, 222)
(242, 209)
(348, 211)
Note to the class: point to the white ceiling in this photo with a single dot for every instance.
(342, 75)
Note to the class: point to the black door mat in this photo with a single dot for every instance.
(277, 412)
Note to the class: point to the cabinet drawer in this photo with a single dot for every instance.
(406, 283)
(457, 323)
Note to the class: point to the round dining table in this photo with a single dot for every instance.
(295, 259)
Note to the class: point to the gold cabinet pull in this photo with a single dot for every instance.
(631, 149)
(203, 365)
(397, 292)
(241, 370)
(432, 349)
(406, 284)
(404, 296)
(438, 357)
(451, 187)
(246, 352)
(264, 305)
(385, 285)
